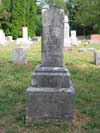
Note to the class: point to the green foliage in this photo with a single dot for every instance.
(91, 11)
(57, 3)
(5, 15)
(85, 14)
(23, 14)
(16, 14)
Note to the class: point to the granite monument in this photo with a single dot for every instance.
(51, 93)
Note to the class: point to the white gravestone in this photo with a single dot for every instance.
(19, 56)
(24, 41)
(66, 28)
(74, 40)
(2, 37)
(25, 33)
(67, 39)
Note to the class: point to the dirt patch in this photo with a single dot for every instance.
(80, 120)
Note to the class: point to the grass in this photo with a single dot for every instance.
(14, 80)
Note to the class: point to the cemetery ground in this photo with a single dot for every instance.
(15, 79)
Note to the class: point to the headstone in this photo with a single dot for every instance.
(67, 39)
(2, 37)
(19, 56)
(66, 27)
(9, 38)
(51, 94)
(34, 39)
(94, 39)
(91, 49)
(81, 37)
(97, 57)
(74, 38)
(87, 49)
(25, 33)
(19, 41)
(24, 41)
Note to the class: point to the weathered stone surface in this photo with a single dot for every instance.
(48, 103)
(97, 57)
(57, 77)
(19, 56)
(53, 37)
(51, 94)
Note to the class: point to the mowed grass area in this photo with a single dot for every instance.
(14, 80)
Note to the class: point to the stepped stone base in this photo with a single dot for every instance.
(52, 77)
(51, 95)
(50, 104)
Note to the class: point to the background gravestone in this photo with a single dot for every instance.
(25, 42)
(2, 37)
(97, 57)
(95, 39)
(51, 94)
(25, 33)
(67, 39)
(66, 27)
(74, 40)
(19, 56)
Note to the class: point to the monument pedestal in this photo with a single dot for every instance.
(51, 95)
(49, 104)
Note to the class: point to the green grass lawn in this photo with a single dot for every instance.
(14, 80)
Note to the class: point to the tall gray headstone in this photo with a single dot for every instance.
(51, 94)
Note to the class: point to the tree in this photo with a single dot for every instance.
(56, 3)
(71, 9)
(86, 15)
(89, 14)
(23, 14)
(5, 15)
(14, 14)
(38, 21)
